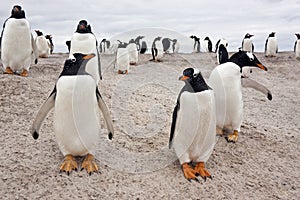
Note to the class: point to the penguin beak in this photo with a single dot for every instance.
(89, 56)
(183, 78)
(261, 66)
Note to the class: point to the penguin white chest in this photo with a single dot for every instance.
(133, 53)
(160, 50)
(122, 61)
(76, 115)
(16, 46)
(297, 49)
(195, 127)
(271, 46)
(247, 45)
(43, 46)
(225, 80)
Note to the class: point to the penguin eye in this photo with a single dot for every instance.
(73, 59)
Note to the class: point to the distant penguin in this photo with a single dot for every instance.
(122, 44)
(49, 38)
(68, 43)
(76, 101)
(175, 46)
(226, 81)
(222, 54)
(157, 50)
(17, 44)
(208, 44)
(133, 53)
(84, 41)
(247, 44)
(271, 45)
(170, 45)
(138, 42)
(43, 45)
(297, 46)
(122, 60)
(194, 125)
(196, 48)
(221, 41)
(104, 46)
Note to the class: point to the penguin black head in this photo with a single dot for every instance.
(38, 32)
(17, 12)
(243, 58)
(297, 35)
(83, 27)
(272, 34)
(206, 38)
(76, 65)
(248, 36)
(194, 78)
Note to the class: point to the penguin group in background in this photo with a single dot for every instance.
(42, 44)
(17, 44)
(196, 44)
(208, 44)
(104, 46)
(157, 50)
(247, 44)
(49, 38)
(84, 41)
(76, 101)
(297, 46)
(221, 41)
(222, 54)
(271, 45)
(226, 81)
(133, 52)
(193, 128)
(170, 44)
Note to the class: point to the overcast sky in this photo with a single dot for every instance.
(214, 18)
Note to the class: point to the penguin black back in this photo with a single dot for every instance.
(223, 54)
(83, 27)
(194, 81)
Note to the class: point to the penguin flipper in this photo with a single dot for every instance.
(106, 114)
(34, 49)
(99, 63)
(250, 83)
(173, 125)
(42, 114)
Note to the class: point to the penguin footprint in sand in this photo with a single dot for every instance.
(76, 124)
(193, 125)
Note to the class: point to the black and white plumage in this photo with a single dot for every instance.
(170, 45)
(247, 44)
(271, 45)
(297, 46)
(221, 41)
(49, 38)
(208, 44)
(193, 124)
(222, 54)
(157, 50)
(43, 45)
(196, 48)
(104, 46)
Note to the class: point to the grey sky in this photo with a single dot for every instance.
(217, 19)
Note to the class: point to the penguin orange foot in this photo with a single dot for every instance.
(69, 164)
(89, 164)
(122, 72)
(188, 172)
(24, 73)
(200, 169)
(8, 70)
(219, 131)
(233, 137)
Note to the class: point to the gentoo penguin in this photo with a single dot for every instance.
(175, 46)
(157, 50)
(138, 42)
(208, 44)
(76, 101)
(225, 80)
(170, 44)
(222, 54)
(122, 60)
(271, 46)
(68, 43)
(49, 38)
(247, 44)
(297, 46)
(84, 41)
(196, 44)
(221, 41)
(132, 52)
(193, 128)
(42, 44)
(17, 43)
(104, 46)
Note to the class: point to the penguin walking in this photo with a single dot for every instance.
(297, 46)
(17, 44)
(133, 52)
(247, 44)
(193, 128)
(222, 54)
(76, 101)
(43, 45)
(49, 38)
(157, 50)
(196, 48)
(208, 44)
(226, 81)
(84, 41)
(271, 45)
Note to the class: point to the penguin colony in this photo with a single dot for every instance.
(203, 108)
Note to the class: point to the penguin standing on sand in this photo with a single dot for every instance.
(157, 50)
(221, 41)
(122, 60)
(193, 128)
(208, 44)
(104, 46)
(196, 44)
(169, 44)
(297, 46)
(271, 45)
(247, 44)
(222, 54)
(17, 43)
(226, 81)
(133, 52)
(84, 41)
(76, 101)
(43, 45)
(49, 38)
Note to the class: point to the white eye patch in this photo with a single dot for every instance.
(250, 55)
(196, 72)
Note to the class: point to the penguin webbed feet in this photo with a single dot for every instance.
(200, 169)
(233, 137)
(68, 164)
(8, 70)
(89, 164)
(191, 173)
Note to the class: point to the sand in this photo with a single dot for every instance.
(136, 164)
